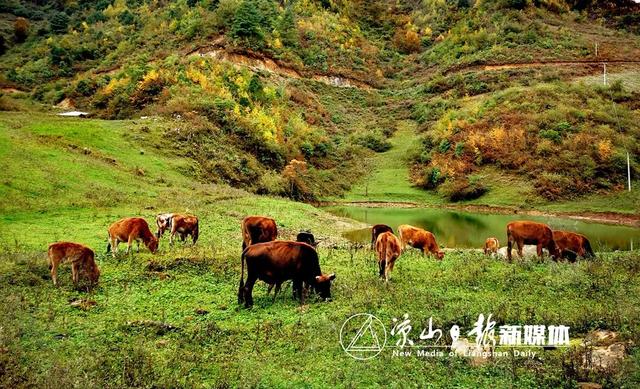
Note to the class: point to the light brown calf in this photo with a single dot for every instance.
(81, 258)
(491, 246)
(388, 250)
(418, 238)
(128, 230)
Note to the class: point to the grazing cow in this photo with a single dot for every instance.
(258, 229)
(571, 242)
(278, 261)
(491, 246)
(178, 223)
(528, 232)
(128, 230)
(306, 237)
(377, 230)
(388, 250)
(418, 238)
(81, 257)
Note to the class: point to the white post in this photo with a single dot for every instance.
(604, 75)
(628, 172)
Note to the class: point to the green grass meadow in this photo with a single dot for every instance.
(172, 319)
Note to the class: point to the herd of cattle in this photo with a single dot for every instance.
(276, 261)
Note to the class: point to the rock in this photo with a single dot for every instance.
(589, 385)
(602, 338)
(463, 348)
(84, 304)
(605, 358)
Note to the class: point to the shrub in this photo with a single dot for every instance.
(432, 177)
(374, 141)
(247, 24)
(21, 29)
(460, 188)
(407, 41)
(59, 22)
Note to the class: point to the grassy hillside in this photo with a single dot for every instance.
(90, 172)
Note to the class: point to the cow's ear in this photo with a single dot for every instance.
(318, 278)
(332, 276)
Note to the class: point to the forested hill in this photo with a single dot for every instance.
(286, 97)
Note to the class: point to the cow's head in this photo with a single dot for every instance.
(152, 244)
(440, 254)
(323, 285)
(93, 273)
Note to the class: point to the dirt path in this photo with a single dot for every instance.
(517, 65)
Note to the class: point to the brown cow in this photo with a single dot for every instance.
(388, 250)
(377, 230)
(81, 257)
(128, 230)
(177, 223)
(258, 229)
(572, 242)
(278, 261)
(418, 238)
(528, 232)
(491, 246)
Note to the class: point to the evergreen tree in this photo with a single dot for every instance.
(59, 22)
(287, 28)
(247, 24)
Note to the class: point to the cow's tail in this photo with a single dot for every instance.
(509, 242)
(196, 232)
(589, 252)
(241, 287)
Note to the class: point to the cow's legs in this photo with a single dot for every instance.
(539, 250)
(381, 266)
(75, 271)
(509, 247)
(297, 291)
(275, 294)
(54, 272)
(520, 247)
(248, 289)
(129, 244)
(137, 246)
(114, 246)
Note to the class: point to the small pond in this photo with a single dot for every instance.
(461, 229)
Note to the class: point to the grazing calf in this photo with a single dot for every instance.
(418, 238)
(278, 261)
(163, 221)
(388, 250)
(81, 257)
(258, 229)
(528, 232)
(571, 243)
(377, 230)
(491, 246)
(128, 230)
(184, 225)
(306, 237)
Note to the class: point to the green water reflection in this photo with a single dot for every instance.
(469, 230)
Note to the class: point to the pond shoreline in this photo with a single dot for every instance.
(611, 218)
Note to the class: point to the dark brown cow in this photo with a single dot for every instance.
(128, 230)
(278, 261)
(388, 250)
(81, 257)
(491, 246)
(528, 232)
(258, 229)
(377, 230)
(576, 243)
(418, 238)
